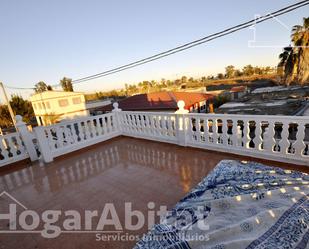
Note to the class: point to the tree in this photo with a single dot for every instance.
(184, 79)
(286, 65)
(20, 106)
(51, 118)
(66, 84)
(5, 120)
(257, 70)
(220, 76)
(230, 71)
(238, 73)
(294, 60)
(42, 87)
(300, 38)
(248, 70)
(267, 70)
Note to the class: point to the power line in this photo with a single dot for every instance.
(196, 42)
(20, 88)
(190, 44)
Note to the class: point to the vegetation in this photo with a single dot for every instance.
(294, 60)
(51, 118)
(20, 106)
(220, 100)
(42, 87)
(232, 75)
(66, 84)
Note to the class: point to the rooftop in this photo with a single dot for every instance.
(160, 101)
(118, 170)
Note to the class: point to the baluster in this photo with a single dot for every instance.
(134, 124)
(104, 126)
(123, 121)
(246, 138)
(166, 125)
(198, 129)
(113, 122)
(269, 137)
(87, 130)
(50, 138)
(206, 131)
(59, 135)
(152, 125)
(109, 123)
(159, 124)
(235, 130)
(91, 127)
(11, 145)
(74, 133)
(163, 126)
(138, 123)
(80, 132)
(300, 136)
(210, 124)
(143, 125)
(95, 128)
(20, 145)
(99, 126)
(215, 134)
(67, 134)
(4, 152)
(258, 136)
(169, 126)
(147, 124)
(129, 123)
(224, 135)
(190, 131)
(284, 143)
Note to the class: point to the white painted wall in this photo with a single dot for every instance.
(61, 105)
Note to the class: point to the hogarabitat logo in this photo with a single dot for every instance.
(47, 222)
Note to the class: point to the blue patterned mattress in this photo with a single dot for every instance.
(238, 205)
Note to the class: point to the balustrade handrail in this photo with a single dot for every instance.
(273, 137)
(247, 116)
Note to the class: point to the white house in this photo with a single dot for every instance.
(53, 106)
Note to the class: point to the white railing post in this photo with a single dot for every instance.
(43, 144)
(117, 111)
(181, 123)
(27, 138)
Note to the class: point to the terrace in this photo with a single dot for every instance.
(134, 157)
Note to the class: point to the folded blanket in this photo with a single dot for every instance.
(238, 205)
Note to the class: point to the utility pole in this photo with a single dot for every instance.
(8, 104)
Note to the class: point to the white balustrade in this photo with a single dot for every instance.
(154, 126)
(278, 138)
(71, 135)
(17, 146)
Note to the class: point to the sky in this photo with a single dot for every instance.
(43, 40)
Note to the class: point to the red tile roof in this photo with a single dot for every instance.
(236, 89)
(159, 101)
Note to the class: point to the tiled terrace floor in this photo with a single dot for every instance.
(117, 171)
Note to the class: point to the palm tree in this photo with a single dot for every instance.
(286, 66)
(300, 38)
(294, 61)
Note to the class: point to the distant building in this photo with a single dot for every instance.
(53, 106)
(237, 92)
(164, 101)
